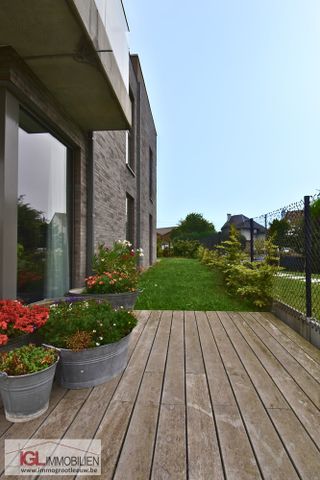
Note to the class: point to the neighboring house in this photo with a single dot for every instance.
(76, 137)
(242, 224)
(293, 217)
(164, 237)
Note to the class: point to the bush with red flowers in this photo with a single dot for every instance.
(18, 319)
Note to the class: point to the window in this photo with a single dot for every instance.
(150, 174)
(150, 240)
(43, 230)
(130, 219)
(130, 139)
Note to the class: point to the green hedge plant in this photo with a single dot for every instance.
(252, 281)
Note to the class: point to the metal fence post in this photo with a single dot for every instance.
(251, 241)
(308, 254)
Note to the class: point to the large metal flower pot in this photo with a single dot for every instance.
(126, 300)
(92, 366)
(19, 341)
(26, 397)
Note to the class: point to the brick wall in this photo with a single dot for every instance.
(113, 179)
(146, 140)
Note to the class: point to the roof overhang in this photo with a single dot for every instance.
(65, 44)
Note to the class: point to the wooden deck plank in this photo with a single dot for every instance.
(305, 410)
(220, 389)
(306, 346)
(174, 384)
(293, 348)
(302, 450)
(111, 431)
(55, 425)
(170, 460)
(128, 388)
(294, 429)
(113, 426)
(4, 424)
(203, 451)
(273, 459)
(170, 447)
(136, 456)
(85, 424)
(238, 457)
(194, 361)
(268, 391)
(156, 362)
(306, 381)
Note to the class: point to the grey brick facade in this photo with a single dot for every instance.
(113, 178)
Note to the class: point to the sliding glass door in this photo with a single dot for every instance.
(43, 236)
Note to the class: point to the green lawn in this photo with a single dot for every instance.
(293, 292)
(185, 284)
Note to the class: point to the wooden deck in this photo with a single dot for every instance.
(205, 396)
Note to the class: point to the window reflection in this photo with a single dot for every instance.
(43, 251)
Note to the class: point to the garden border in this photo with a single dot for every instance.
(307, 327)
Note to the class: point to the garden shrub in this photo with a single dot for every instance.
(249, 280)
(186, 248)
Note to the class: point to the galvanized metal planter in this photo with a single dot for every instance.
(26, 397)
(126, 300)
(19, 341)
(92, 366)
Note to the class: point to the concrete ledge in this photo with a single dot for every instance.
(308, 328)
(61, 42)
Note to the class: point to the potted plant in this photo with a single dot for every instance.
(18, 322)
(115, 277)
(92, 339)
(26, 376)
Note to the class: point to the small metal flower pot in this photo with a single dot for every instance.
(26, 397)
(126, 300)
(92, 366)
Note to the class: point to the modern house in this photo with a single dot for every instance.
(242, 224)
(77, 143)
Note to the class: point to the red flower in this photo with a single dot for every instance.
(3, 339)
(17, 317)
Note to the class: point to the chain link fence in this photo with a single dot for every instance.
(295, 231)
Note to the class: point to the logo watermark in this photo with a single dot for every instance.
(52, 457)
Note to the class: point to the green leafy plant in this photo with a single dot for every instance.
(115, 269)
(86, 324)
(315, 208)
(252, 281)
(185, 248)
(27, 359)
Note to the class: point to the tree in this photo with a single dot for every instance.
(193, 227)
(32, 226)
(278, 231)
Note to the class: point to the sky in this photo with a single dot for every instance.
(234, 87)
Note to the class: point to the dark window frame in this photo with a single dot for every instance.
(151, 170)
(130, 220)
(131, 141)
